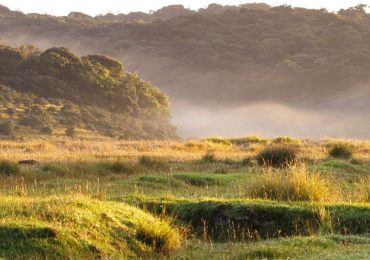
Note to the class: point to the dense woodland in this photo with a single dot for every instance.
(222, 57)
(58, 90)
(221, 53)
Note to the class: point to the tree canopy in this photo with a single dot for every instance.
(94, 91)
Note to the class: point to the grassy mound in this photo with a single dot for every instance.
(227, 219)
(66, 227)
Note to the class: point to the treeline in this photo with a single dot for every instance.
(248, 53)
(56, 89)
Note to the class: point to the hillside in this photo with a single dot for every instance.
(229, 57)
(55, 90)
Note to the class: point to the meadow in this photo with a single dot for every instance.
(219, 198)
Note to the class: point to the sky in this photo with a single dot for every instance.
(95, 7)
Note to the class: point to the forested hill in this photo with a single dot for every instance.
(58, 91)
(221, 53)
(221, 59)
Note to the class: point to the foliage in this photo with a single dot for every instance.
(95, 93)
(286, 140)
(341, 151)
(277, 156)
(70, 131)
(305, 49)
(153, 164)
(218, 140)
(9, 168)
(209, 157)
(297, 184)
(6, 128)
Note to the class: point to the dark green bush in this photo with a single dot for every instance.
(341, 151)
(120, 167)
(208, 158)
(47, 130)
(8, 168)
(218, 140)
(277, 156)
(7, 129)
(10, 111)
(153, 164)
(286, 140)
(70, 131)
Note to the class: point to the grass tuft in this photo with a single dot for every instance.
(8, 168)
(120, 167)
(341, 151)
(296, 184)
(277, 156)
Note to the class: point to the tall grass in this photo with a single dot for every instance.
(294, 184)
(277, 156)
(341, 151)
(8, 168)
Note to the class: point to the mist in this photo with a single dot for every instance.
(220, 101)
(267, 119)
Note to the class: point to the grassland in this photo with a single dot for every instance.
(96, 197)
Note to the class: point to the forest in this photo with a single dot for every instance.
(303, 52)
(309, 64)
(56, 90)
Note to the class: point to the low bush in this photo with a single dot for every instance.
(249, 140)
(218, 140)
(277, 156)
(153, 164)
(70, 131)
(7, 129)
(208, 158)
(120, 167)
(341, 151)
(286, 140)
(47, 130)
(8, 168)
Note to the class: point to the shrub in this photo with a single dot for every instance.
(52, 109)
(31, 121)
(341, 151)
(152, 164)
(294, 185)
(218, 140)
(70, 131)
(277, 156)
(7, 128)
(11, 111)
(8, 168)
(120, 167)
(208, 158)
(47, 130)
(249, 140)
(286, 140)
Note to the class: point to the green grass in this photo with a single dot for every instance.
(228, 219)
(341, 165)
(8, 168)
(217, 208)
(77, 227)
(311, 247)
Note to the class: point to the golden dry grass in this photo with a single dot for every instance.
(92, 148)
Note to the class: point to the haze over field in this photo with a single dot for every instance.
(96, 7)
(229, 70)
